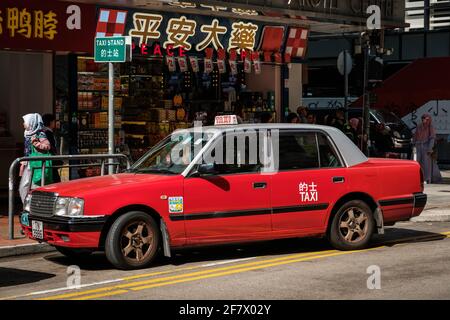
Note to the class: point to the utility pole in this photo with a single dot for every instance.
(365, 42)
(426, 15)
(346, 72)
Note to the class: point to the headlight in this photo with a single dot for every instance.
(75, 207)
(27, 203)
(71, 207)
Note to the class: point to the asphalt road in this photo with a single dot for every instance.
(413, 260)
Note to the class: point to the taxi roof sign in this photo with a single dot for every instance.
(226, 120)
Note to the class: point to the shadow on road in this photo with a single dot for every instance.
(13, 277)
(213, 254)
(395, 236)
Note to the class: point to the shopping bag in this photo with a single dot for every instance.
(36, 167)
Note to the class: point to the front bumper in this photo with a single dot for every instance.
(67, 232)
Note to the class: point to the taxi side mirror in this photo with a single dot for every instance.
(207, 169)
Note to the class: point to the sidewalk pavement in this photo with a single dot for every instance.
(438, 203)
(20, 245)
(436, 210)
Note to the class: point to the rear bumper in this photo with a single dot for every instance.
(403, 208)
(420, 201)
(68, 232)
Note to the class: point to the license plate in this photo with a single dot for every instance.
(37, 228)
(24, 220)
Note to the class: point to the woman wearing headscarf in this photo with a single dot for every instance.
(424, 139)
(35, 142)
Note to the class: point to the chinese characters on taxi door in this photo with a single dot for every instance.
(308, 192)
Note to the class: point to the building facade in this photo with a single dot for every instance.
(191, 61)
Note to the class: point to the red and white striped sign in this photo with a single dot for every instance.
(111, 23)
(297, 42)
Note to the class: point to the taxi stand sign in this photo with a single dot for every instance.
(113, 49)
(110, 50)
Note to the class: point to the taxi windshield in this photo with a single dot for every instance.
(173, 154)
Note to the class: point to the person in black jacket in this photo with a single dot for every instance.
(49, 126)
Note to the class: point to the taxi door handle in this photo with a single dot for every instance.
(259, 185)
(338, 180)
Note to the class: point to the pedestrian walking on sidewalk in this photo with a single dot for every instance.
(36, 144)
(424, 141)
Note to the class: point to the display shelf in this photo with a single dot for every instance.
(137, 123)
(98, 129)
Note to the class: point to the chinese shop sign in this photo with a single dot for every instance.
(112, 49)
(46, 25)
(191, 33)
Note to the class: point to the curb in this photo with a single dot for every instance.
(25, 249)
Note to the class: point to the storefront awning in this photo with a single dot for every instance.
(323, 16)
(278, 30)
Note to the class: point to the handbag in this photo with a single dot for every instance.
(36, 167)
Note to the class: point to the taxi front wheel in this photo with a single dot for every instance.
(132, 241)
(352, 226)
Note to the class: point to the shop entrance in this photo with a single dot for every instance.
(151, 101)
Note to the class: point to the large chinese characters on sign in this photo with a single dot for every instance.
(179, 34)
(193, 34)
(46, 25)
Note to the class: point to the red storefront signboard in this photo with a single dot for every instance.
(47, 25)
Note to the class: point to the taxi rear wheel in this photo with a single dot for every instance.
(352, 226)
(132, 241)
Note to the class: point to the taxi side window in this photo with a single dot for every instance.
(242, 157)
(328, 156)
(298, 150)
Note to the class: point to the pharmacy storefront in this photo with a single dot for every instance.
(191, 61)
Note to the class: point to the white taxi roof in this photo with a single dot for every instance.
(350, 153)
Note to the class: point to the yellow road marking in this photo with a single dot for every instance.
(120, 289)
(144, 282)
(101, 295)
(248, 269)
(220, 274)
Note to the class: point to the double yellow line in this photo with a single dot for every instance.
(214, 272)
(199, 275)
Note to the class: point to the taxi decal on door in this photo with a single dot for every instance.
(308, 192)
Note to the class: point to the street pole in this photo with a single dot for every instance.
(366, 111)
(346, 86)
(426, 15)
(111, 116)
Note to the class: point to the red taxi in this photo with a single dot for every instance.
(227, 184)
